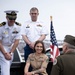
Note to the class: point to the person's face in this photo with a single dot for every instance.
(10, 21)
(34, 14)
(39, 48)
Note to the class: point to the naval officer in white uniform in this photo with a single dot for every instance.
(9, 39)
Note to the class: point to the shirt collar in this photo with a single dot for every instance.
(34, 21)
(8, 27)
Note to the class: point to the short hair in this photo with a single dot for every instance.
(42, 45)
(33, 9)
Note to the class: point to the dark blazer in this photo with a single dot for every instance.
(64, 65)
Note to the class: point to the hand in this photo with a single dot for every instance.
(28, 73)
(25, 73)
(7, 56)
(32, 45)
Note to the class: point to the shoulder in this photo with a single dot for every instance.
(45, 56)
(41, 22)
(32, 54)
(27, 22)
(58, 60)
(2, 24)
(17, 23)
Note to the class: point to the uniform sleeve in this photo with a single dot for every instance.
(44, 29)
(28, 59)
(45, 62)
(23, 29)
(57, 67)
(18, 35)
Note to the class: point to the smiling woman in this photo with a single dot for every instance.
(39, 47)
(38, 60)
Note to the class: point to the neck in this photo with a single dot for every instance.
(38, 54)
(10, 24)
(34, 20)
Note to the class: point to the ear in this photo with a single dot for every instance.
(38, 13)
(66, 47)
(29, 13)
(7, 18)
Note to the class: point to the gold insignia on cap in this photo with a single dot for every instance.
(55, 62)
(11, 12)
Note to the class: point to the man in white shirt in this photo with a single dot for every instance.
(33, 30)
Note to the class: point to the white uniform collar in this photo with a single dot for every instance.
(34, 21)
(8, 27)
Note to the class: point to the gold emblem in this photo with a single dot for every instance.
(5, 32)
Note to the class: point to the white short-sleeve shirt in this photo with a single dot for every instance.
(33, 30)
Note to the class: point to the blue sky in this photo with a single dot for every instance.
(63, 12)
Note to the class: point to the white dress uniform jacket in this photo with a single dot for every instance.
(8, 34)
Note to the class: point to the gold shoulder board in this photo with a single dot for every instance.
(17, 23)
(2, 24)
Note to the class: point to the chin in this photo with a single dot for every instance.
(39, 52)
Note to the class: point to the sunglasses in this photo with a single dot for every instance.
(12, 18)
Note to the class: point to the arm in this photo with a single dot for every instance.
(1, 46)
(26, 68)
(27, 65)
(2, 49)
(42, 37)
(26, 39)
(16, 42)
(6, 55)
(43, 33)
(31, 45)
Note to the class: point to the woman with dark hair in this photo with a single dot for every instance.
(38, 60)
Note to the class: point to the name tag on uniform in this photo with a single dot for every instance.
(15, 32)
(27, 26)
(39, 25)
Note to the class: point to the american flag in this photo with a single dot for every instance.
(54, 46)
